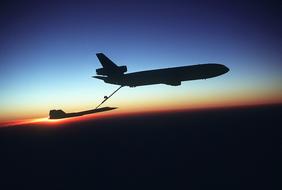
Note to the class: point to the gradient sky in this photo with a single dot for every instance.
(47, 53)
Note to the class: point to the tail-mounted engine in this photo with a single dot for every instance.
(111, 71)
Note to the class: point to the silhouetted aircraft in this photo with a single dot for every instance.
(60, 114)
(113, 74)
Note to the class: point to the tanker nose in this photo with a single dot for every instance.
(223, 69)
(226, 69)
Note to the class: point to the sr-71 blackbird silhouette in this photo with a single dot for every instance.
(113, 74)
(60, 114)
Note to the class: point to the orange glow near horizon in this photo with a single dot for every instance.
(46, 122)
(43, 120)
(197, 95)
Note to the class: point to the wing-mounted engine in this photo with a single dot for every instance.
(173, 83)
(111, 71)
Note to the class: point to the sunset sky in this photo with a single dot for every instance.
(47, 54)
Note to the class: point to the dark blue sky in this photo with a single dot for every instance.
(47, 52)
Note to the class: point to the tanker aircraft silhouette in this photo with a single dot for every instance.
(113, 74)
